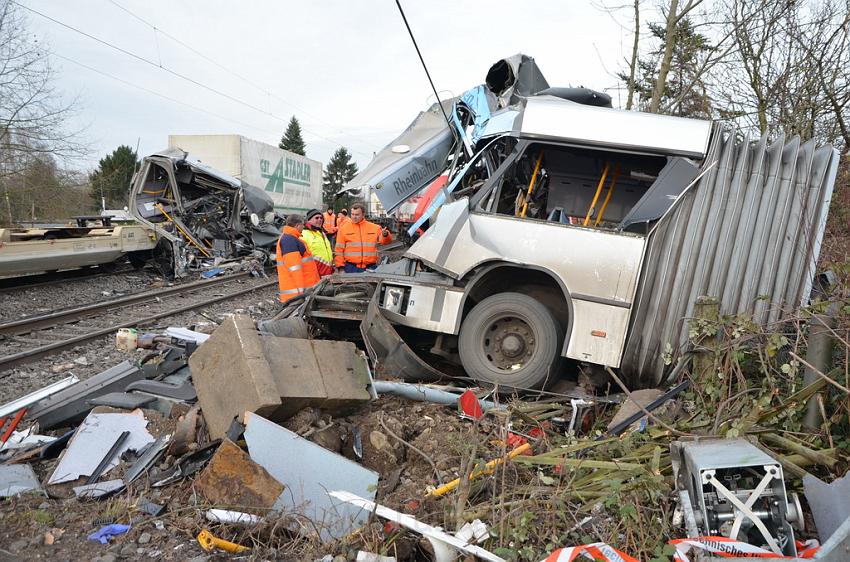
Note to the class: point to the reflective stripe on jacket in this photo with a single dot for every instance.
(296, 268)
(320, 247)
(330, 223)
(358, 243)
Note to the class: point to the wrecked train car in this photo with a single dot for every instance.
(200, 213)
(570, 230)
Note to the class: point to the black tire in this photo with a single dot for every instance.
(139, 259)
(512, 340)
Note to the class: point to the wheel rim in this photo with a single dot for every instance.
(508, 342)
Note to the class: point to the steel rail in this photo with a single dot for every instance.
(27, 356)
(26, 325)
(24, 282)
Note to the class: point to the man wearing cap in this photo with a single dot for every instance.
(318, 243)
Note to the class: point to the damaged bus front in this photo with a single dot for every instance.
(202, 215)
(573, 231)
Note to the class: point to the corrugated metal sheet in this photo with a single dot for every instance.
(749, 233)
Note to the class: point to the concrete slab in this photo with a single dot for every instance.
(231, 375)
(309, 472)
(239, 370)
(233, 479)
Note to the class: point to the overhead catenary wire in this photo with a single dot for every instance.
(232, 72)
(424, 66)
(175, 73)
(155, 93)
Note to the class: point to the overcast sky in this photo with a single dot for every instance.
(346, 69)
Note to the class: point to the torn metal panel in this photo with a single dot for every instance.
(308, 481)
(388, 349)
(71, 405)
(93, 440)
(411, 161)
(25, 401)
(98, 489)
(514, 78)
(152, 453)
(756, 256)
(830, 503)
(671, 182)
(18, 479)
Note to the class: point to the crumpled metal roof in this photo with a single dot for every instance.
(177, 156)
(748, 234)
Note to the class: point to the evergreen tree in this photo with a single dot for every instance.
(291, 139)
(111, 179)
(685, 93)
(340, 171)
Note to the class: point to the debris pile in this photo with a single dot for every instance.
(244, 442)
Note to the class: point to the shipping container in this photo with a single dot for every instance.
(293, 181)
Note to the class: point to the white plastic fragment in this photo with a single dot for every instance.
(363, 556)
(233, 517)
(475, 532)
(446, 546)
(186, 334)
(21, 439)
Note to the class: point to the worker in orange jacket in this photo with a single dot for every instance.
(357, 242)
(296, 269)
(342, 218)
(330, 222)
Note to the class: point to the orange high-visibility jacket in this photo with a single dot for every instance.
(330, 222)
(296, 269)
(358, 243)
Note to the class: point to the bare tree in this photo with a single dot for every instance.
(33, 115)
(790, 69)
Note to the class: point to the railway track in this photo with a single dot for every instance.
(31, 338)
(23, 282)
